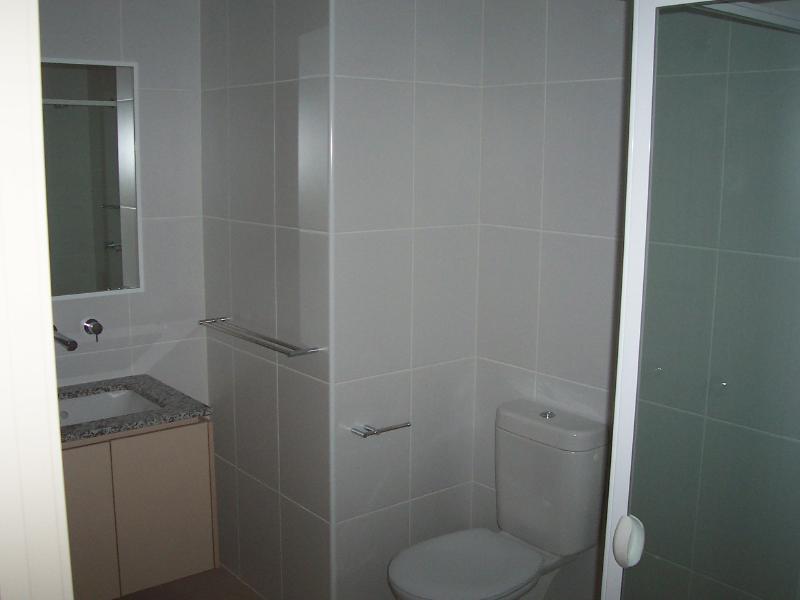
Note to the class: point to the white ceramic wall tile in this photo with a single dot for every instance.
(113, 312)
(255, 384)
(515, 38)
(511, 155)
(221, 399)
(448, 41)
(251, 40)
(172, 300)
(217, 266)
(259, 537)
(302, 280)
(215, 153)
(497, 384)
(227, 514)
(302, 139)
(373, 303)
(440, 513)
(374, 38)
(251, 151)
(591, 402)
(442, 428)
(364, 547)
(587, 39)
(304, 435)
(508, 295)
(169, 153)
(583, 162)
(445, 268)
(305, 552)
(81, 368)
(484, 507)
(372, 161)
(756, 48)
(578, 312)
(253, 276)
(371, 473)
(85, 29)
(692, 42)
(164, 39)
(301, 38)
(446, 154)
(179, 364)
(213, 43)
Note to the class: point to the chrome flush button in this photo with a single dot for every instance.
(547, 414)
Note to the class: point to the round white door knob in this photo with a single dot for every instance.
(628, 541)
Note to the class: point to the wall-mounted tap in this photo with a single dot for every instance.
(65, 341)
(93, 327)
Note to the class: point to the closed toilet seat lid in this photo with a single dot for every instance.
(474, 564)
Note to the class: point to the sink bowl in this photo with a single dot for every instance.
(104, 405)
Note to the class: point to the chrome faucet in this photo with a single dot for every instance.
(65, 341)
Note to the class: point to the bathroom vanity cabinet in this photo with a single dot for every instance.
(140, 507)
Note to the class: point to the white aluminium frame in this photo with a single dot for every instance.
(643, 51)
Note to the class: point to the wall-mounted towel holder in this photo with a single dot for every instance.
(365, 431)
(225, 325)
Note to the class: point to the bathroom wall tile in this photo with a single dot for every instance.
(512, 154)
(484, 507)
(81, 368)
(372, 163)
(446, 154)
(251, 31)
(375, 38)
(255, 385)
(372, 473)
(213, 44)
(497, 384)
(445, 269)
(172, 300)
(655, 579)
(440, 513)
(594, 403)
(677, 326)
(448, 41)
(703, 588)
(756, 343)
(221, 399)
(259, 537)
(758, 48)
(364, 547)
(749, 487)
(691, 42)
(253, 276)
(170, 151)
(583, 157)
(80, 29)
(687, 159)
(306, 553)
(301, 42)
(587, 39)
(302, 280)
(578, 311)
(303, 406)
(113, 313)
(373, 303)
(442, 433)
(665, 484)
(215, 165)
(515, 38)
(251, 151)
(167, 48)
(217, 266)
(183, 365)
(302, 153)
(227, 514)
(508, 295)
(761, 157)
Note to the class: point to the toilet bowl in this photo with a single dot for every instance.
(549, 476)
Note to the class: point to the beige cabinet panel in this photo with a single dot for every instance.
(90, 516)
(162, 488)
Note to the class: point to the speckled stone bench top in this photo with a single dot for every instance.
(174, 406)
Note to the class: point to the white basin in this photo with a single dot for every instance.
(104, 405)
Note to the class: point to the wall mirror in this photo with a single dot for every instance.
(90, 163)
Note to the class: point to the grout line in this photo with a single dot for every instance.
(727, 250)
(512, 227)
(410, 457)
(409, 370)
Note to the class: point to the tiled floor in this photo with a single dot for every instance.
(217, 584)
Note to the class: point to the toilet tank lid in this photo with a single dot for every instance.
(563, 429)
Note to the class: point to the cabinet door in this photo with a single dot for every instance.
(90, 516)
(162, 488)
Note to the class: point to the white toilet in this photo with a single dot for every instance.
(550, 468)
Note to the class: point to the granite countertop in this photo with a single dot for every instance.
(173, 406)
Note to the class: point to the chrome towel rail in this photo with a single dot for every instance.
(365, 431)
(225, 325)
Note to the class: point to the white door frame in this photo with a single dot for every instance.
(34, 547)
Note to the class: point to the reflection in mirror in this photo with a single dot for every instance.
(91, 177)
